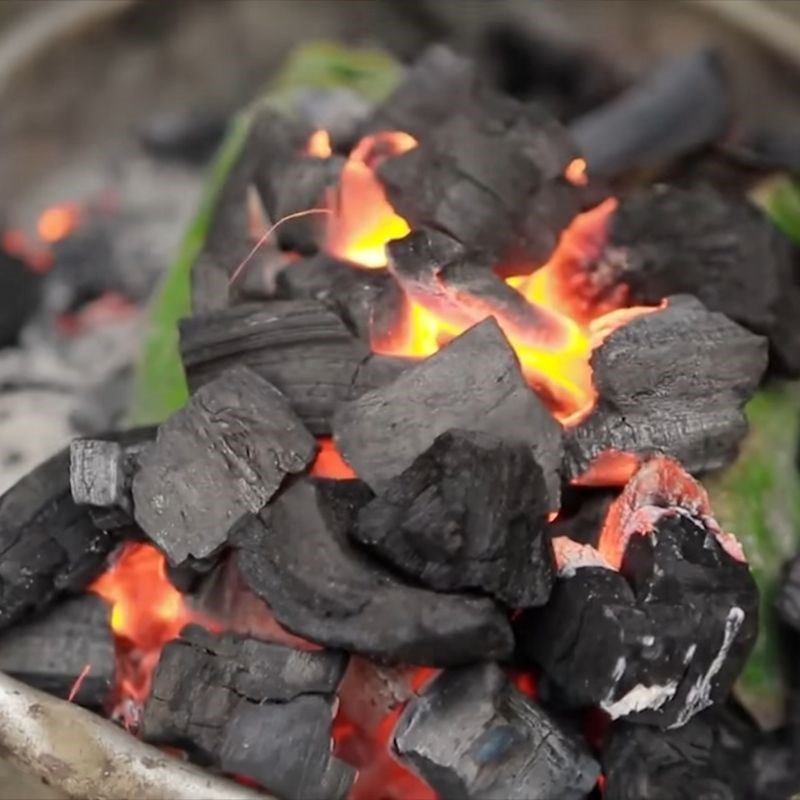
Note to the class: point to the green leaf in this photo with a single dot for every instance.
(758, 499)
(159, 383)
(780, 198)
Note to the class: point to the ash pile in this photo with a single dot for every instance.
(434, 496)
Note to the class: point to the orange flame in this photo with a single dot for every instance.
(610, 468)
(319, 144)
(575, 172)
(329, 462)
(362, 219)
(147, 611)
(57, 222)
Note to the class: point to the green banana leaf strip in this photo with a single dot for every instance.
(159, 382)
(758, 499)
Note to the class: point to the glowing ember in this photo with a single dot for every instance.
(575, 172)
(610, 468)
(147, 611)
(363, 221)
(329, 462)
(58, 222)
(661, 486)
(319, 144)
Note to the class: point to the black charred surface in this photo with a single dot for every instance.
(661, 392)
(491, 177)
(49, 651)
(296, 185)
(472, 734)
(286, 747)
(469, 514)
(360, 297)
(20, 288)
(437, 82)
(300, 346)
(665, 240)
(679, 107)
(644, 763)
(48, 544)
(220, 457)
(657, 642)
(297, 556)
(474, 383)
(101, 475)
(211, 694)
(582, 513)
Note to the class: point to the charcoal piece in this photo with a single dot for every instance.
(189, 575)
(582, 514)
(679, 107)
(474, 383)
(657, 642)
(787, 601)
(492, 178)
(660, 391)
(223, 455)
(438, 273)
(719, 247)
(296, 555)
(101, 475)
(49, 544)
(190, 136)
(438, 82)
(469, 514)
(299, 345)
(50, 651)
(286, 747)
(228, 698)
(271, 139)
(339, 111)
(356, 295)
(20, 288)
(643, 763)
(472, 734)
(296, 185)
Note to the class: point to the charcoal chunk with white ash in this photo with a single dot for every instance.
(52, 649)
(255, 708)
(298, 557)
(665, 240)
(491, 177)
(300, 346)
(658, 641)
(222, 456)
(469, 514)
(49, 544)
(473, 383)
(472, 734)
(659, 391)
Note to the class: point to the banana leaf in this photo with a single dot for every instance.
(159, 382)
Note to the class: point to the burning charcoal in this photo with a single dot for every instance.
(473, 383)
(300, 346)
(295, 186)
(472, 734)
(681, 106)
(582, 513)
(787, 603)
(230, 700)
(296, 555)
(101, 474)
(438, 82)
(225, 454)
(286, 747)
(492, 178)
(50, 651)
(49, 544)
(660, 392)
(643, 763)
(356, 295)
(668, 634)
(338, 111)
(20, 288)
(437, 272)
(469, 514)
(666, 240)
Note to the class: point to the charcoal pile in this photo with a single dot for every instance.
(432, 518)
